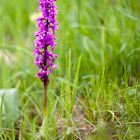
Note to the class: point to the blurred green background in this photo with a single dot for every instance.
(106, 34)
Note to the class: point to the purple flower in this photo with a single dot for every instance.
(45, 39)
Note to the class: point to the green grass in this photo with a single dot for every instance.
(98, 79)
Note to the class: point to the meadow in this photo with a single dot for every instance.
(95, 92)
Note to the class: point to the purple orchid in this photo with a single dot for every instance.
(45, 40)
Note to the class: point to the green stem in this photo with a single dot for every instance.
(45, 99)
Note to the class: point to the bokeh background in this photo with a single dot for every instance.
(99, 62)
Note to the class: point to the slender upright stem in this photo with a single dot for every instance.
(45, 99)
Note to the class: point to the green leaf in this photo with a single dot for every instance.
(9, 107)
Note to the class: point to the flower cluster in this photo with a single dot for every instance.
(45, 39)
